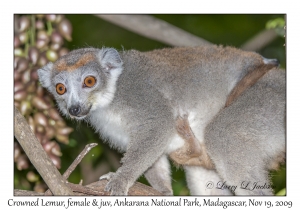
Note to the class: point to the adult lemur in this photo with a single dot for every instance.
(134, 100)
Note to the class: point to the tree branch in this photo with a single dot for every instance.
(38, 156)
(75, 163)
(136, 189)
(18, 192)
(78, 159)
(97, 188)
(156, 29)
(164, 32)
(260, 40)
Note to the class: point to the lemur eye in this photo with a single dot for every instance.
(60, 89)
(89, 81)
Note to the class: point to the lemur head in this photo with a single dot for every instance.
(82, 80)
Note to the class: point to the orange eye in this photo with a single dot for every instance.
(89, 81)
(60, 89)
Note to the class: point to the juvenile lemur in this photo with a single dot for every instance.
(243, 142)
(133, 99)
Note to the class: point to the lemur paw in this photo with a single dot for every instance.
(116, 185)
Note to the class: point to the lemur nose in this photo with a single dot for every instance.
(74, 110)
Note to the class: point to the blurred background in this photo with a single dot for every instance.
(42, 38)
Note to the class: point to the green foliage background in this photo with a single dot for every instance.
(89, 30)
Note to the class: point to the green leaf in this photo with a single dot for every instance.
(278, 25)
(282, 192)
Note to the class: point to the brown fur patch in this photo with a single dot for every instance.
(247, 81)
(63, 66)
(192, 153)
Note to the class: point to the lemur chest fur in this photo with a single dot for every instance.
(111, 127)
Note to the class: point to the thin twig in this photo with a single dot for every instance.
(78, 160)
(72, 167)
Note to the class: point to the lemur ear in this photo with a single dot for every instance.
(109, 58)
(45, 75)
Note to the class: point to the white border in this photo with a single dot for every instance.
(207, 7)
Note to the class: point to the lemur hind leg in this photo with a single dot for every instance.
(192, 153)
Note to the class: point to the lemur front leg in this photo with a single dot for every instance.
(143, 153)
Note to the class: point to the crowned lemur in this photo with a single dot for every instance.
(138, 100)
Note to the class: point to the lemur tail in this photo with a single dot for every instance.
(251, 78)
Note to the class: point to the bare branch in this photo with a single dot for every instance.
(38, 156)
(18, 192)
(136, 189)
(75, 163)
(260, 40)
(156, 29)
(87, 190)
(97, 188)
(78, 159)
(164, 32)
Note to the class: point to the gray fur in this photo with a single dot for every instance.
(159, 176)
(247, 139)
(138, 96)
